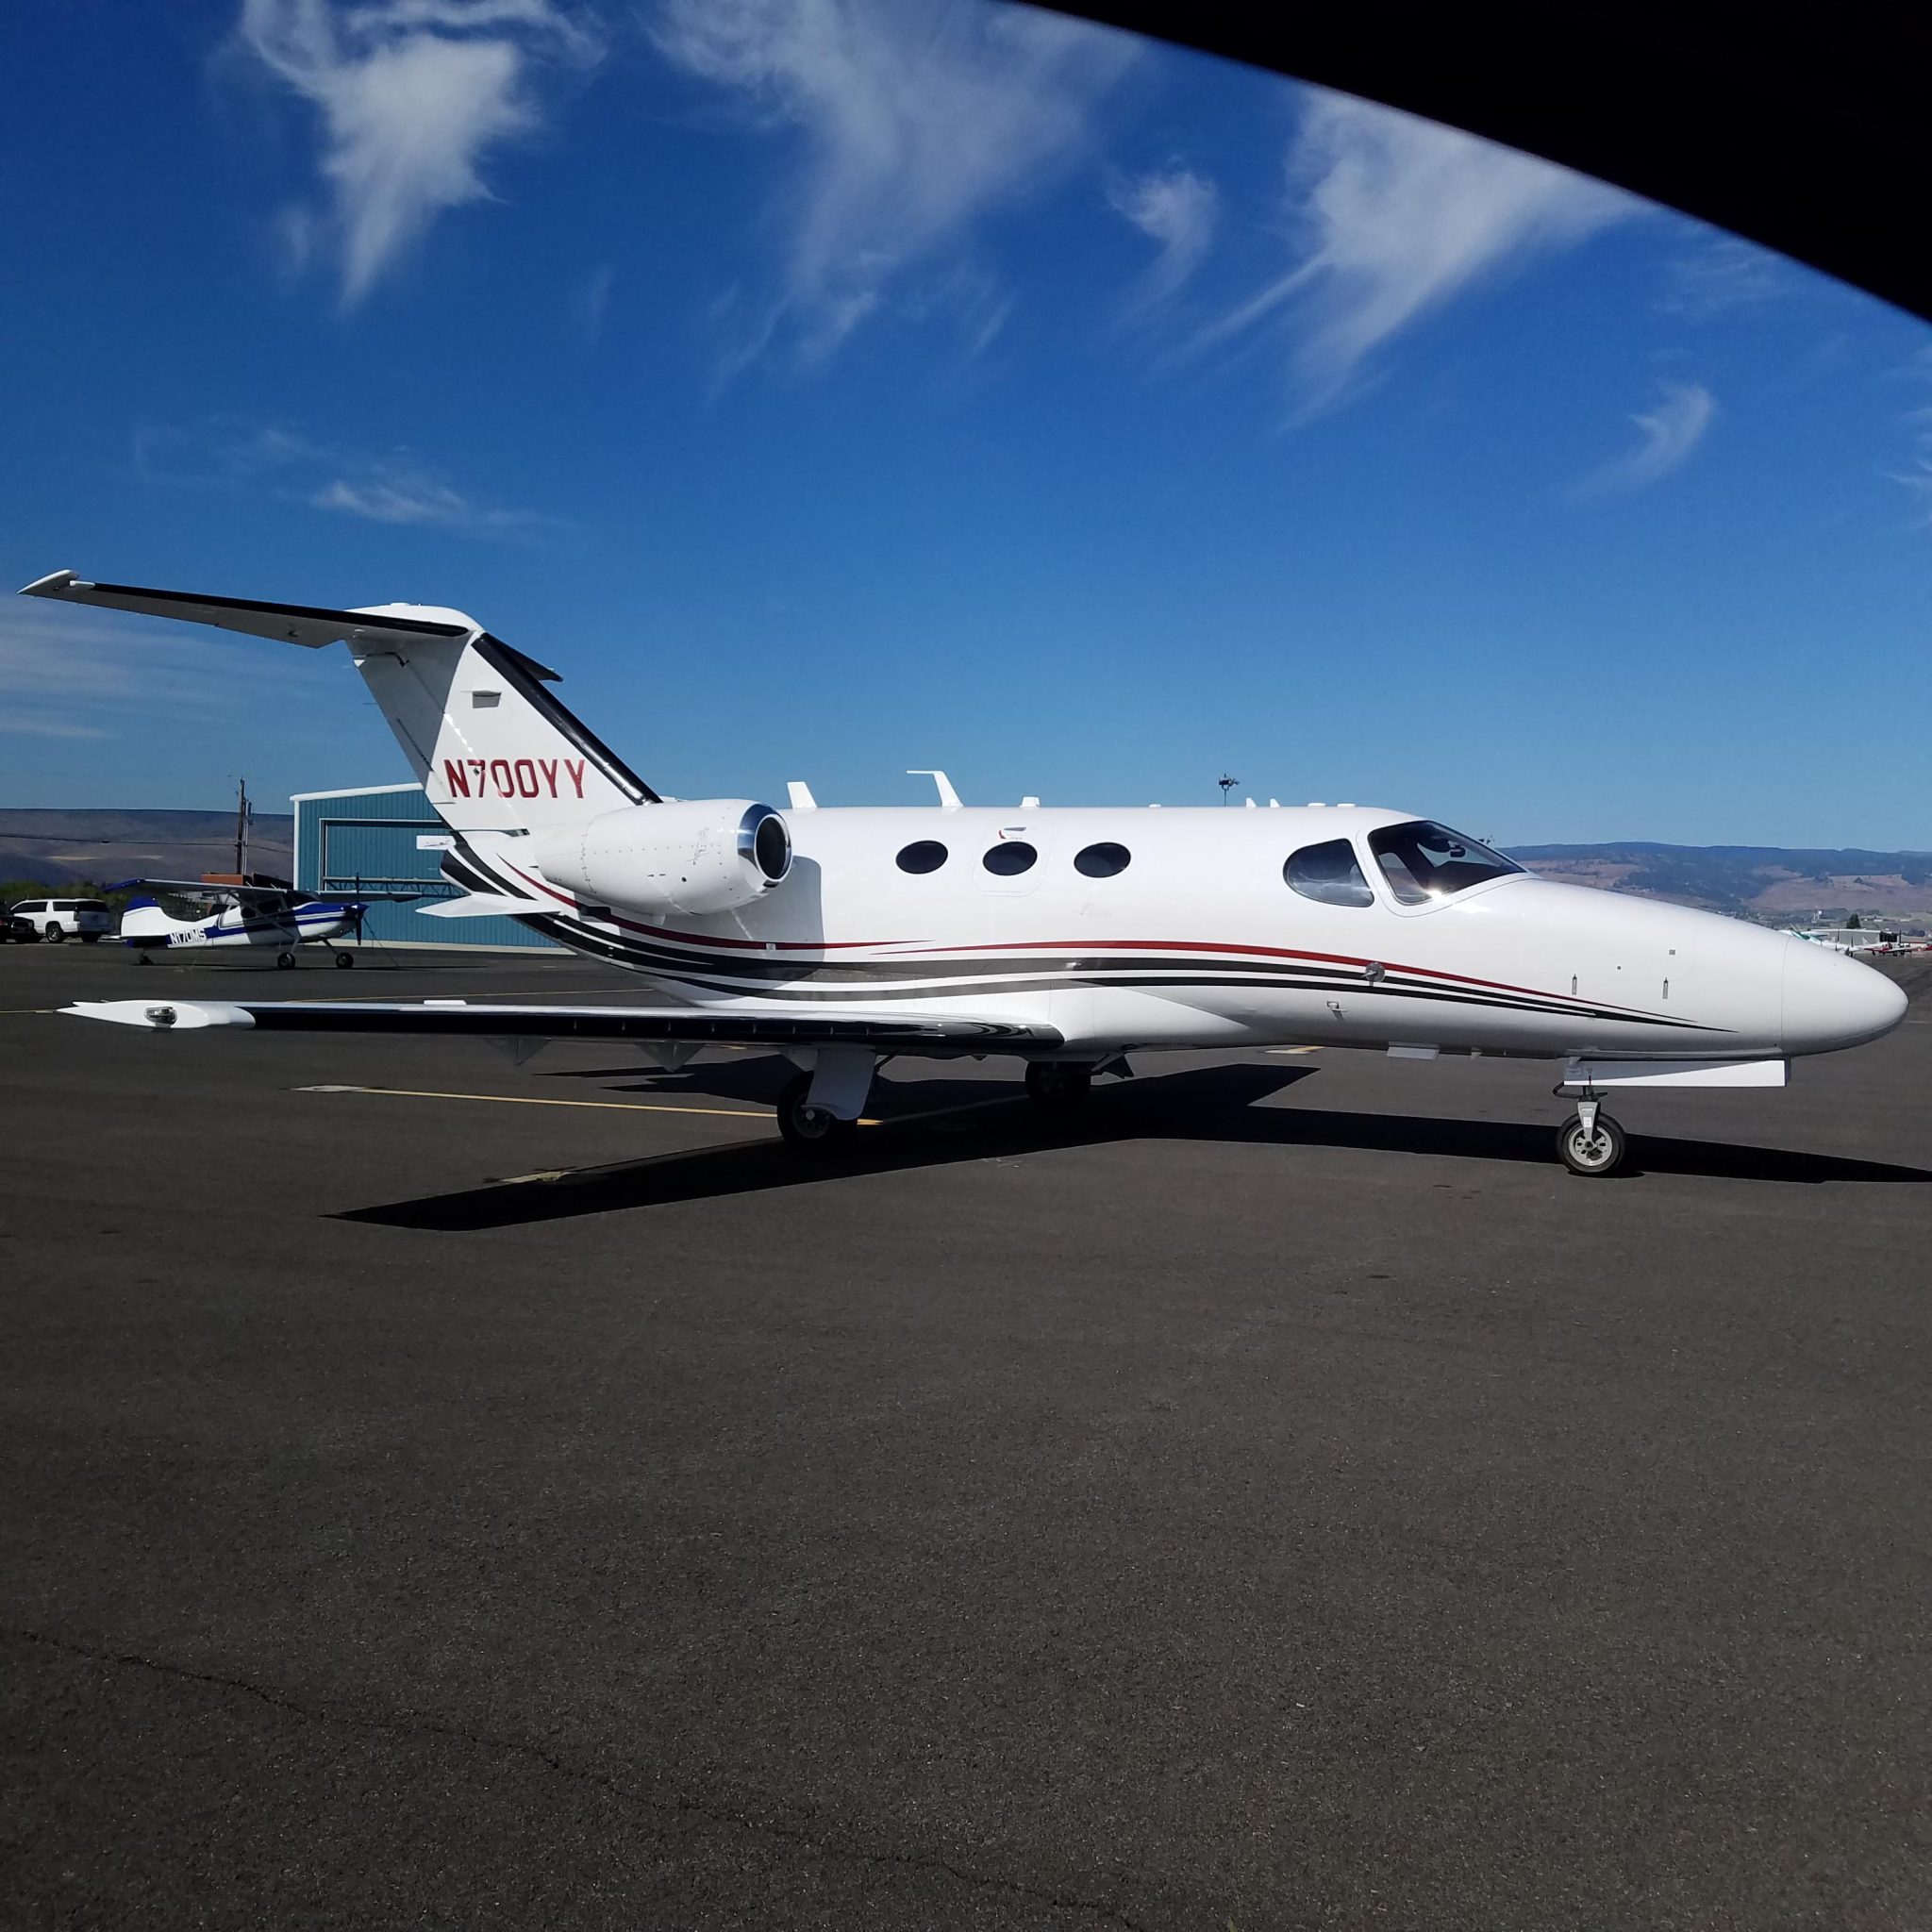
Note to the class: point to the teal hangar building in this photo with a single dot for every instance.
(388, 838)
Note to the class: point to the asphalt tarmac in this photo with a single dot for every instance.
(436, 1492)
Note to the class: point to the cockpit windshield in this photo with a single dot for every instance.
(1423, 862)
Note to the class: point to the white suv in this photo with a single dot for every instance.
(87, 920)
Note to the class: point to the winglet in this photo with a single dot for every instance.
(161, 1016)
(53, 584)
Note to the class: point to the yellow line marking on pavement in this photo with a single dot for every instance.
(735, 1114)
(1294, 1049)
(935, 1113)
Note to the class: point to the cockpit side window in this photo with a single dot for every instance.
(1425, 862)
(1329, 872)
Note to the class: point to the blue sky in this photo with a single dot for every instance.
(828, 387)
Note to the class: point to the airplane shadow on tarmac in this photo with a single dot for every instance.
(934, 1123)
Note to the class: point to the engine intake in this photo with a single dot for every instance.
(700, 856)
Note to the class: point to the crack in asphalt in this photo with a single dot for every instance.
(409, 1724)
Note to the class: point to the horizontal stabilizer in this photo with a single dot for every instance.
(742, 1023)
(294, 623)
(480, 905)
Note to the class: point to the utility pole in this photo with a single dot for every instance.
(1227, 786)
(241, 829)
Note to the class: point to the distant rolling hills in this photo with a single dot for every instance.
(1782, 885)
(61, 848)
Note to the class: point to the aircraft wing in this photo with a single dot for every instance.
(742, 1023)
(200, 888)
(260, 895)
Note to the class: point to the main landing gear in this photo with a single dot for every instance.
(345, 961)
(1059, 1086)
(810, 1129)
(818, 1111)
(1589, 1141)
(285, 960)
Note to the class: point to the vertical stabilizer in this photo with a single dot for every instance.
(495, 749)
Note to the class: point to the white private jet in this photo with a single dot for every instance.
(1067, 938)
(250, 916)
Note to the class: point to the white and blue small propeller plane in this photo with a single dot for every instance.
(246, 914)
(1065, 938)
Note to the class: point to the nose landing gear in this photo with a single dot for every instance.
(1590, 1142)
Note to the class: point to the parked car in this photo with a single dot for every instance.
(55, 920)
(19, 931)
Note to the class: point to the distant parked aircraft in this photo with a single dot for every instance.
(256, 916)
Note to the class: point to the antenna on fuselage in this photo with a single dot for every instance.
(949, 799)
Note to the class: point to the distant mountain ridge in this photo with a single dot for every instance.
(58, 848)
(1781, 884)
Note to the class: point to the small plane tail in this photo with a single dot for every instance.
(482, 729)
(143, 924)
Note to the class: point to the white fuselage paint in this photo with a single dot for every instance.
(1199, 942)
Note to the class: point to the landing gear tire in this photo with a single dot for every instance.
(56, 936)
(285, 960)
(1058, 1088)
(345, 961)
(1593, 1152)
(810, 1129)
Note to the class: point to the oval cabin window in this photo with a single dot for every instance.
(1328, 873)
(922, 854)
(1011, 856)
(1103, 862)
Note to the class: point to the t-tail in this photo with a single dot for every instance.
(494, 748)
(526, 785)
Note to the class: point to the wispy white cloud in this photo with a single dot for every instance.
(1394, 217)
(412, 96)
(19, 724)
(1917, 421)
(591, 302)
(1176, 210)
(918, 118)
(1666, 436)
(65, 674)
(384, 487)
(1722, 276)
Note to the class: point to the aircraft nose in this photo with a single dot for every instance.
(1832, 1001)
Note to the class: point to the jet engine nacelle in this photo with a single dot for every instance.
(704, 854)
